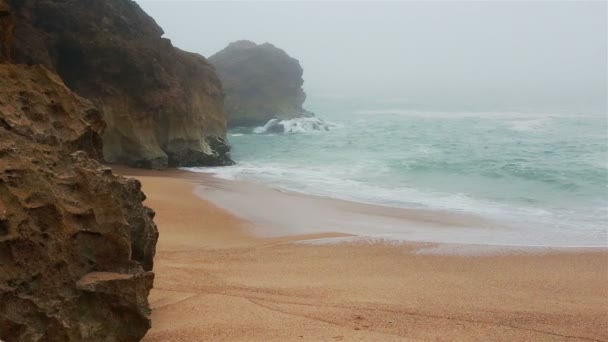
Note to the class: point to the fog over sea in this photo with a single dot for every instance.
(543, 174)
(491, 108)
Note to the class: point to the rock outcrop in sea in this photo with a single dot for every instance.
(162, 106)
(76, 243)
(261, 83)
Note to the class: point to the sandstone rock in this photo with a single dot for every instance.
(76, 243)
(261, 83)
(163, 106)
(35, 103)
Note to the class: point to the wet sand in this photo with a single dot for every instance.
(217, 281)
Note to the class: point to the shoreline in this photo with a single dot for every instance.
(256, 228)
(216, 280)
(369, 221)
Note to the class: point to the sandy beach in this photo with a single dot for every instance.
(224, 278)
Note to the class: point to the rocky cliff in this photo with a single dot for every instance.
(162, 106)
(7, 29)
(261, 83)
(76, 243)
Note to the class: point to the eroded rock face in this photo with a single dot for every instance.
(163, 106)
(76, 243)
(261, 83)
(35, 103)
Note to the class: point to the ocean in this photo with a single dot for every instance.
(545, 174)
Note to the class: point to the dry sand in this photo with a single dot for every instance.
(217, 282)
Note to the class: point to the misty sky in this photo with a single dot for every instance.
(493, 55)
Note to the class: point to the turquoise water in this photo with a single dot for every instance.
(545, 173)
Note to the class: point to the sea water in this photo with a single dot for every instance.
(543, 172)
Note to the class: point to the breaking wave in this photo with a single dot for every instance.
(297, 125)
(545, 175)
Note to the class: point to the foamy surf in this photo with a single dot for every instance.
(538, 221)
(293, 126)
(274, 215)
(543, 175)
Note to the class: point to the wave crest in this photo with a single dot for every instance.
(297, 125)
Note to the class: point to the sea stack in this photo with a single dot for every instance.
(162, 106)
(261, 83)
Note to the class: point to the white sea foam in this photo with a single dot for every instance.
(322, 183)
(297, 125)
(542, 174)
(426, 149)
(266, 128)
(529, 125)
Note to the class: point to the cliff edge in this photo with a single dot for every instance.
(261, 83)
(162, 106)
